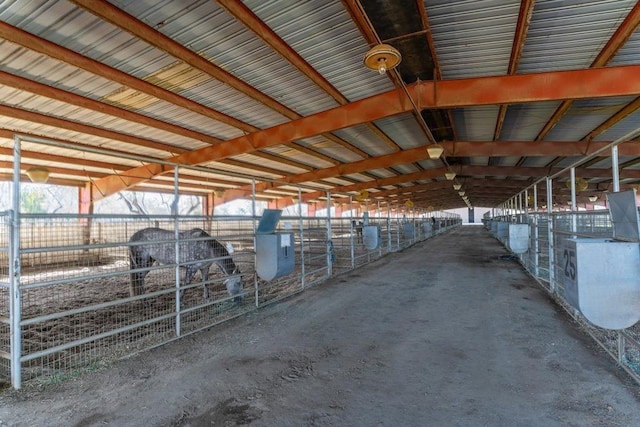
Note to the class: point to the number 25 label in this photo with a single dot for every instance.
(569, 264)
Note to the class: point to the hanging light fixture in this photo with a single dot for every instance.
(593, 198)
(457, 186)
(435, 151)
(450, 175)
(580, 183)
(382, 57)
(38, 174)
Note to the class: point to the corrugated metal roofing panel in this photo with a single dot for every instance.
(623, 127)
(261, 161)
(536, 161)
(298, 156)
(141, 60)
(365, 139)
(523, 122)
(405, 129)
(430, 164)
(208, 30)
(323, 33)
(584, 116)
(569, 34)
(66, 111)
(476, 123)
(629, 54)
(241, 170)
(473, 37)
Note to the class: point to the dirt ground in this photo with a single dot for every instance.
(445, 333)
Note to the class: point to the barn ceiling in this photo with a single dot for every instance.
(275, 94)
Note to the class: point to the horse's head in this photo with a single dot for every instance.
(234, 286)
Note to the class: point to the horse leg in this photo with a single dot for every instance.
(204, 272)
(188, 277)
(136, 286)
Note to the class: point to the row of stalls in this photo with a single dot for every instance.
(589, 261)
(83, 290)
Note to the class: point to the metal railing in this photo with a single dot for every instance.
(547, 235)
(67, 303)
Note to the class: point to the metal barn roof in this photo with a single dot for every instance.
(276, 90)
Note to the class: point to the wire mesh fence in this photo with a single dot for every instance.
(545, 260)
(78, 298)
(5, 311)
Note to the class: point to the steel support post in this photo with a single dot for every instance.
(552, 284)
(15, 270)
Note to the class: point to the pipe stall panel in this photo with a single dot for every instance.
(502, 231)
(518, 241)
(275, 255)
(624, 215)
(409, 230)
(371, 236)
(603, 275)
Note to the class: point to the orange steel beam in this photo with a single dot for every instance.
(617, 40)
(102, 107)
(382, 182)
(458, 149)
(43, 119)
(245, 16)
(597, 82)
(45, 47)
(520, 35)
(466, 173)
(617, 117)
(137, 28)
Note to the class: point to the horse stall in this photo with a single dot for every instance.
(76, 305)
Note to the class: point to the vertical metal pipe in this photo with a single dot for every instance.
(15, 270)
(573, 189)
(520, 203)
(536, 232)
(378, 224)
(552, 284)
(621, 347)
(399, 225)
(352, 241)
(389, 247)
(256, 293)
(615, 168)
(330, 248)
(574, 208)
(301, 225)
(176, 235)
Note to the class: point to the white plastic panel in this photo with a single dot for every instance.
(602, 278)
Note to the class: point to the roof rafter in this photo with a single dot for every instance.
(457, 148)
(591, 83)
(52, 50)
(126, 22)
(519, 37)
(617, 40)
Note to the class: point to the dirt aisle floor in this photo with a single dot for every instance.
(442, 334)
